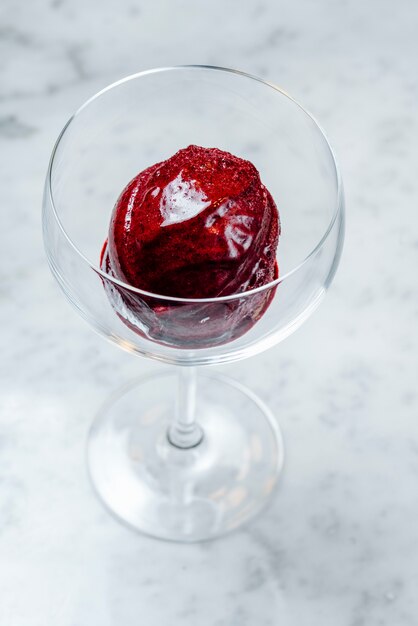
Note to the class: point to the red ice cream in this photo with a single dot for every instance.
(199, 225)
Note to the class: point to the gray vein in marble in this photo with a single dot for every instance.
(13, 128)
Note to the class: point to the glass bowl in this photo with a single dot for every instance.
(188, 456)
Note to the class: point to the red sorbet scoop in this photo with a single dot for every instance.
(199, 225)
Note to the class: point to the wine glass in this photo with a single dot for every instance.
(184, 455)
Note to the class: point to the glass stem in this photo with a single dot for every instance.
(184, 431)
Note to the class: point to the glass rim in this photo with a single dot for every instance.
(272, 284)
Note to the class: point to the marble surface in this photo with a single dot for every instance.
(339, 545)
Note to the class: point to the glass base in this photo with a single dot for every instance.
(185, 494)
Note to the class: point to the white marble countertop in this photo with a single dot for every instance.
(339, 545)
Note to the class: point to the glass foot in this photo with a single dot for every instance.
(182, 494)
